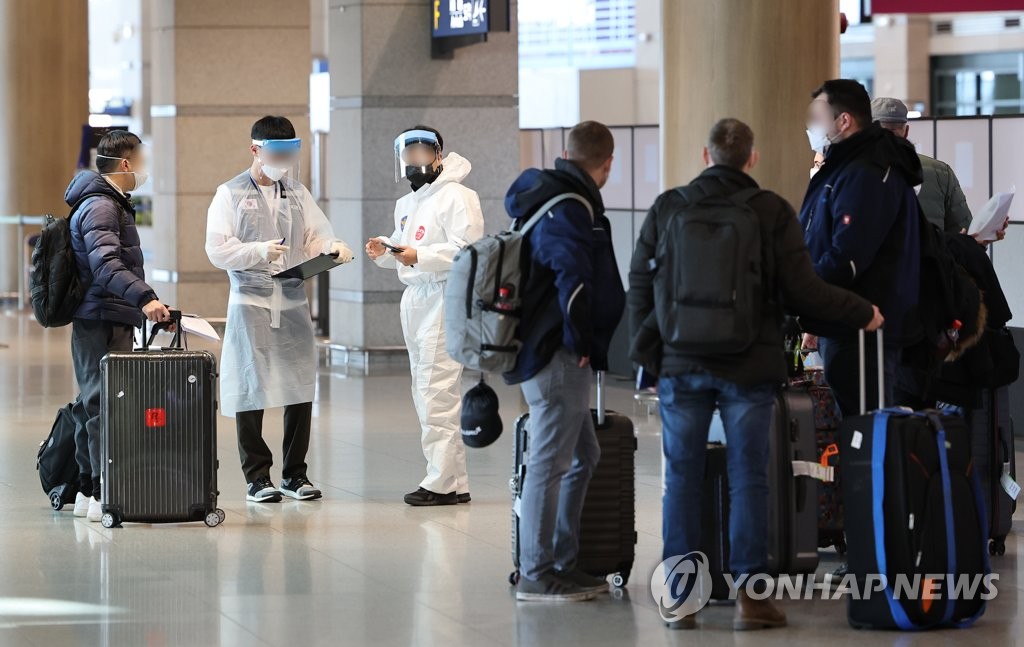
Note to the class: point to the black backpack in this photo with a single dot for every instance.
(708, 284)
(947, 294)
(56, 289)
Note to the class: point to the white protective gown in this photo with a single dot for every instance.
(438, 220)
(269, 357)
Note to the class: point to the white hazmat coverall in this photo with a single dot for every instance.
(269, 356)
(438, 220)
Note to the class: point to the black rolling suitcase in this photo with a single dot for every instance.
(914, 514)
(56, 462)
(159, 430)
(995, 460)
(608, 522)
(792, 499)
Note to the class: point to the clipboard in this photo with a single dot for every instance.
(310, 268)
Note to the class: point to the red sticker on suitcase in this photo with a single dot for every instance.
(156, 418)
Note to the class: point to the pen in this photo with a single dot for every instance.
(282, 242)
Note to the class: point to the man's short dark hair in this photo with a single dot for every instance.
(115, 144)
(847, 95)
(271, 127)
(440, 139)
(590, 144)
(730, 143)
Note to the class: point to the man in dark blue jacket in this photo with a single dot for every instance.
(861, 225)
(109, 259)
(572, 303)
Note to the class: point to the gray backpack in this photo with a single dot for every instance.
(483, 297)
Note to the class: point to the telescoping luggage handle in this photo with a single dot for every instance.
(174, 321)
(862, 352)
(600, 398)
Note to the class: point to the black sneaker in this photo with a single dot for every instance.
(584, 580)
(464, 497)
(422, 497)
(552, 587)
(262, 490)
(300, 489)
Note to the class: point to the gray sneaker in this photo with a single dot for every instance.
(585, 581)
(552, 588)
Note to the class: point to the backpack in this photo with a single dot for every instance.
(948, 294)
(708, 284)
(483, 296)
(56, 289)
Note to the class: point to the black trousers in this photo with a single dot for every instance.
(257, 457)
(842, 372)
(90, 341)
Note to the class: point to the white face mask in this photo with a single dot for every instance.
(140, 177)
(273, 173)
(817, 136)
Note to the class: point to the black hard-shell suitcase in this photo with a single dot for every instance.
(56, 462)
(792, 498)
(914, 513)
(608, 521)
(994, 456)
(158, 424)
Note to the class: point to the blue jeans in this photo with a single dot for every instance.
(562, 454)
(687, 405)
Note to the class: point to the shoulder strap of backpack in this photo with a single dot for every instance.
(549, 205)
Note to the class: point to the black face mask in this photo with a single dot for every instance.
(419, 178)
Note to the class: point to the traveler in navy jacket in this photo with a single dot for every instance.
(861, 224)
(109, 259)
(572, 302)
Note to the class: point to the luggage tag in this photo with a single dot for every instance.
(517, 505)
(1010, 486)
(816, 471)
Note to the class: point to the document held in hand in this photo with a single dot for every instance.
(992, 217)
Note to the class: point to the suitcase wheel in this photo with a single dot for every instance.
(221, 515)
(997, 547)
(513, 578)
(213, 519)
(56, 502)
(110, 520)
(619, 580)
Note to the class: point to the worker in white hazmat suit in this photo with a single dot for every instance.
(432, 223)
(260, 223)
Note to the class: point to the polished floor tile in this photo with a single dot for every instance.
(357, 568)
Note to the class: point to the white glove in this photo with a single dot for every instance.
(344, 253)
(271, 250)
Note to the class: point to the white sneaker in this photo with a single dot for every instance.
(81, 505)
(95, 509)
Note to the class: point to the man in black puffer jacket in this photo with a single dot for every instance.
(109, 259)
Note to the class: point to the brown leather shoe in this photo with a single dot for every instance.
(756, 614)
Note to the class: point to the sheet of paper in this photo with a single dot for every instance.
(991, 217)
(199, 327)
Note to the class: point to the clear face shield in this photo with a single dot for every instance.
(416, 151)
(278, 158)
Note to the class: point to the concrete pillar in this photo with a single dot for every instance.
(383, 81)
(44, 101)
(902, 66)
(755, 61)
(216, 68)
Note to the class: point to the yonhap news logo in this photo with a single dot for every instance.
(681, 586)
